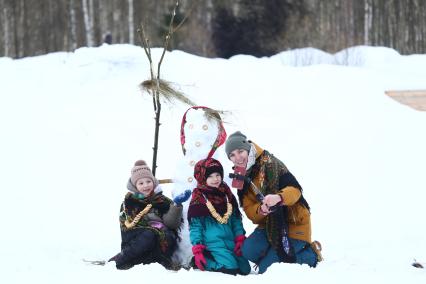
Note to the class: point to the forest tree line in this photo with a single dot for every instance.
(213, 28)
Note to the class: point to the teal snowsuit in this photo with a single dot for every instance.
(219, 240)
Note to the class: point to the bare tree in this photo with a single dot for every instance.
(88, 21)
(367, 21)
(6, 31)
(257, 27)
(131, 22)
(72, 25)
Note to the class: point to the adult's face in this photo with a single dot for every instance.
(239, 157)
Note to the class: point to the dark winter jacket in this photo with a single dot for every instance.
(152, 238)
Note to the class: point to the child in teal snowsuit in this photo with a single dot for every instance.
(215, 226)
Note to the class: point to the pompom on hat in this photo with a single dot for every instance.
(236, 140)
(141, 170)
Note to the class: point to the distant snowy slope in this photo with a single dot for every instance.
(72, 124)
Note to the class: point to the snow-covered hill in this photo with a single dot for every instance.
(72, 124)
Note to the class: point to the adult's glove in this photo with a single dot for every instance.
(200, 261)
(181, 198)
(239, 240)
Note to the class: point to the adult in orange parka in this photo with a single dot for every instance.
(281, 212)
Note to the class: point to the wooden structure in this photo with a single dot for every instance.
(412, 98)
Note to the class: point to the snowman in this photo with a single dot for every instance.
(202, 133)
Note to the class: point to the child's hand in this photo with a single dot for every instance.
(239, 240)
(199, 259)
(181, 198)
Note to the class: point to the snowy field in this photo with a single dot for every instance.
(72, 124)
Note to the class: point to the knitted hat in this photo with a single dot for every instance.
(236, 140)
(141, 170)
(214, 169)
(206, 167)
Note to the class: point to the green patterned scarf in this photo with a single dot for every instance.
(269, 170)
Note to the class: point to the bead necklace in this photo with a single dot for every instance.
(213, 212)
(130, 225)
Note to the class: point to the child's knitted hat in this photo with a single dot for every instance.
(141, 170)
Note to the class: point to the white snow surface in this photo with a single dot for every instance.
(72, 125)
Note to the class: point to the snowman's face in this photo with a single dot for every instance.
(239, 157)
(214, 180)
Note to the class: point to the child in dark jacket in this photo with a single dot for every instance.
(148, 221)
(215, 224)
